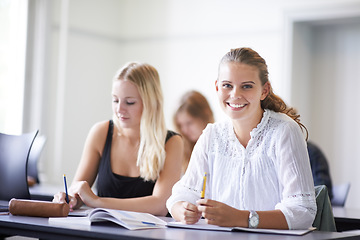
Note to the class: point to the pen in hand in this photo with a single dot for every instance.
(204, 186)
(66, 191)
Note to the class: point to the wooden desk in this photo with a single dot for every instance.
(40, 228)
(346, 218)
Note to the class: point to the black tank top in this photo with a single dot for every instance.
(110, 184)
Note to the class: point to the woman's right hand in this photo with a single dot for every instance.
(74, 202)
(186, 212)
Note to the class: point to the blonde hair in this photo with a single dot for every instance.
(151, 153)
(196, 105)
(272, 101)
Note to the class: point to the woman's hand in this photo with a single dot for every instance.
(83, 192)
(220, 214)
(186, 212)
(60, 197)
(80, 193)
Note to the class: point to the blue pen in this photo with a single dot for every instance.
(136, 222)
(149, 223)
(66, 191)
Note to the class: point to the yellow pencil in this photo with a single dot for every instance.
(204, 186)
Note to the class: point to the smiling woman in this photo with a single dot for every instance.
(240, 93)
(260, 153)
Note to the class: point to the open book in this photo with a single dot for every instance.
(202, 225)
(126, 219)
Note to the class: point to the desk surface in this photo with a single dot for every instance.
(349, 213)
(40, 228)
(44, 192)
(346, 218)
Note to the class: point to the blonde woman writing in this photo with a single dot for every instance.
(135, 158)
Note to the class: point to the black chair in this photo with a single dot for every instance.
(35, 153)
(14, 154)
(340, 193)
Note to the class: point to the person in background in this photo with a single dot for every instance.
(319, 167)
(190, 119)
(135, 158)
(257, 165)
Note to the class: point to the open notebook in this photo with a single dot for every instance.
(126, 219)
(136, 220)
(202, 225)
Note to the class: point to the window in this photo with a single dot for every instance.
(13, 21)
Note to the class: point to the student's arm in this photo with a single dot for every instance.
(155, 203)
(185, 193)
(220, 214)
(298, 202)
(90, 159)
(89, 163)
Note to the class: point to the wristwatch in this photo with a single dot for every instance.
(253, 219)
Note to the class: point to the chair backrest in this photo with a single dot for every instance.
(35, 152)
(340, 193)
(324, 219)
(14, 154)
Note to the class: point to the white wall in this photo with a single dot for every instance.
(340, 101)
(325, 81)
(184, 40)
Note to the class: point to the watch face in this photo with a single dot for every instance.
(254, 221)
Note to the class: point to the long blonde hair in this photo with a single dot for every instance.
(151, 153)
(272, 101)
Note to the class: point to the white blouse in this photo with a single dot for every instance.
(272, 172)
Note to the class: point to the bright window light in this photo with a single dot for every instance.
(13, 21)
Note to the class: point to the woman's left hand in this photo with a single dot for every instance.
(83, 190)
(220, 214)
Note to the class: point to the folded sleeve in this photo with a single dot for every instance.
(298, 202)
(189, 187)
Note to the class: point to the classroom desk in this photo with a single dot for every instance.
(44, 192)
(346, 218)
(40, 228)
